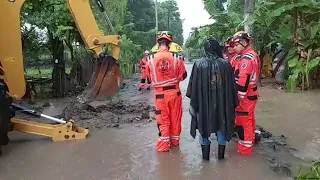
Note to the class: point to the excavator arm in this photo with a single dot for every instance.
(108, 73)
(105, 81)
(88, 28)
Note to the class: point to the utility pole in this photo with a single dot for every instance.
(156, 11)
(168, 20)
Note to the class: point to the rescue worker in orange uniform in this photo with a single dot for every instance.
(246, 74)
(233, 57)
(166, 70)
(143, 68)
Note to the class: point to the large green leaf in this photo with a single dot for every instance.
(301, 33)
(314, 28)
(293, 62)
(286, 8)
(313, 63)
(306, 42)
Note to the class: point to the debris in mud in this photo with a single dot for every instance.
(279, 168)
(276, 151)
(274, 143)
(106, 114)
(46, 104)
(264, 134)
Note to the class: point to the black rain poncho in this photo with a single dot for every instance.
(213, 94)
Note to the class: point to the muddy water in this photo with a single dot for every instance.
(129, 152)
(297, 116)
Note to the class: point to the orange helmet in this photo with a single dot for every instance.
(238, 36)
(164, 35)
(228, 42)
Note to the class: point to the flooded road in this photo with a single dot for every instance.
(129, 152)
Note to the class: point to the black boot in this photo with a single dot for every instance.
(240, 132)
(221, 150)
(205, 152)
(257, 135)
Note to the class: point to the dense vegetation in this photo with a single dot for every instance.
(293, 23)
(52, 44)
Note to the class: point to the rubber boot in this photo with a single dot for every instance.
(221, 150)
(257, 135)
(205, 152)
(239, 130)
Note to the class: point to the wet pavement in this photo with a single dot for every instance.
(129, 152)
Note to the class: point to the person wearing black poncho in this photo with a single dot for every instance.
(213, 98)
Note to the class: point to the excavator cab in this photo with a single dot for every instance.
(105, 81)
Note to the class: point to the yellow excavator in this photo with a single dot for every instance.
(105, 82)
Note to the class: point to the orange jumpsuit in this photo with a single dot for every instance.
(166, 70)
(234, 60)
(246, 74)
(144, 74)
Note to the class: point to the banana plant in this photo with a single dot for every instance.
(296, 27)
(313, 174)
(301, 67)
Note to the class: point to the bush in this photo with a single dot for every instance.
(312, 174)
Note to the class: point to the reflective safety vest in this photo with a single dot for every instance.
(166, 69)
(247, 74)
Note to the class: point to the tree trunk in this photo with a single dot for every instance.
(248, 12)
(59, 67)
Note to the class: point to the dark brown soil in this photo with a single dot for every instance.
(108, 114)
(101, 114)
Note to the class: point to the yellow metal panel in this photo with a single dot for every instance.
(89, 30)
(60, 132)
(11, 47)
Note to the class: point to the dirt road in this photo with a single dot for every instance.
(128, 152)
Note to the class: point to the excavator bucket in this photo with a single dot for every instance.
(105, 81)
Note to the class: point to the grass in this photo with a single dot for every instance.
(41, 72)
(37, 72)
(43, 90)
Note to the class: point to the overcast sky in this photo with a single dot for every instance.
(193, 13)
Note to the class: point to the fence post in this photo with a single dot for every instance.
(136, 68)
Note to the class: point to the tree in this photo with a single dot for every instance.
(293, 24)
(54, 17)
(57, 25)
(169, 19)
(133, 20)
(227, 21)
(296, 26)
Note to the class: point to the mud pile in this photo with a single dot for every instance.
(107, 114)
(279, 156)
